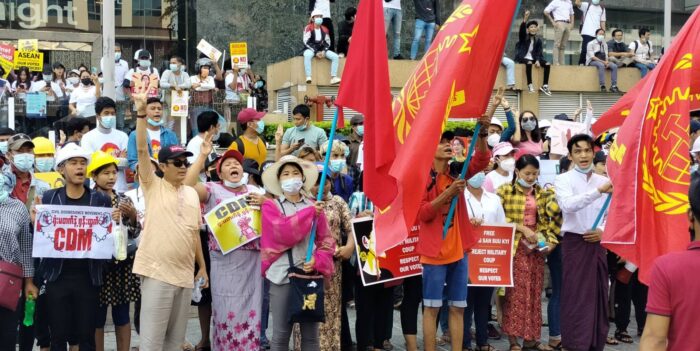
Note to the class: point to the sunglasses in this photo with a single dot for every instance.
(359, 124)
(529, 119)
(179, 163)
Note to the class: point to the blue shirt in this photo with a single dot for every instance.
(343, 186)
(167, 138)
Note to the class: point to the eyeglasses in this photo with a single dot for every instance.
(359, 124)
(179, 163)
(529, 119)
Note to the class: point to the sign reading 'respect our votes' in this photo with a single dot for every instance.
(73, 232)
(401, 261)
(491, 258)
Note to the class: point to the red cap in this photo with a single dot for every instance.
(229, 154)
(249, 114)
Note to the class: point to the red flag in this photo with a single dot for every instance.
(365, 88)
(454, 79)
(648, 215)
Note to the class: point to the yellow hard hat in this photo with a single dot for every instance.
(99, 159)
(43, 146)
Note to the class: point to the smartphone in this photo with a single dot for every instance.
(301, 141)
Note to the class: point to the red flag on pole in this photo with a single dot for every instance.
(648, 216)
(453, 80)
(365, 88)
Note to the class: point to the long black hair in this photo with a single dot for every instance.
(28, 81)
(522, 162)
(536, 133)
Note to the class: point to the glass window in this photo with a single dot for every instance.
(94, 10)
(147, 8)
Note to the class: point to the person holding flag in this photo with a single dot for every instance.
(579, 192)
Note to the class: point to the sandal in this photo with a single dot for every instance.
(486, 347)
(536, 346)
(611, 341)
(624, 336)
(515, 347)
(557, 347)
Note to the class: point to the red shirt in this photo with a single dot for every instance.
(21, 190)
(673, 293)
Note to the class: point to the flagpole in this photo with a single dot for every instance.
(602, 212)
(322, 185)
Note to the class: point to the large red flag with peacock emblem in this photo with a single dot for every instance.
(649, 162)
(453, 80)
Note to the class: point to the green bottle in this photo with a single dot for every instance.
(29, 306)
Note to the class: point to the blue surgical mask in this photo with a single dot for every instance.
(242, 182)
(173, 67)
(24, 162)
(260, 127)
(108, 121)
(477, 180)
(3, 147)
(302, 127)
(154, 123)
(595, 2)
(318, 21)
(145, 63)
(360, 130)
(291, 186)
(529, 125)
(117, 56)
(4, 194)
(525, 184)
(258, 84)
(336, 166)
(586, 170)
(44, 164)
(600, 38)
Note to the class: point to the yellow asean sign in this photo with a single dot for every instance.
(28, 45)
(239, 54)
(31, 59)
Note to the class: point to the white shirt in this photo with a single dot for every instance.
(113, 142)
(361, 156)
(528, 56)
(561, 10)
(56, 87)
(324, 6)
(592, 19)
(84, 99)
(393, 4)
(489, 209)
(231, 94)
(194, 146)
(643, 51)
(121, 68)
(494, 180)
(579, 200)
(206, 85)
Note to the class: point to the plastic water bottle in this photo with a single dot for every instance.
(29, 307)
(541, 243)
(197, 291)
(120, 242)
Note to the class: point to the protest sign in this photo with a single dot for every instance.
(36, 105)
(30, 59)
(209, 50)
(548, 172)
(179, 103)
(7, 52)
(53, 179)
(491, 258)
(401, 261)
(560, 132)
(7, 66)
(239, 54)
(234, 223)
(73, 232)
(28, 44)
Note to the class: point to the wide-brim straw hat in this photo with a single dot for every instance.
(272, 182)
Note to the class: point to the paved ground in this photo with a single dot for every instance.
(193, 335)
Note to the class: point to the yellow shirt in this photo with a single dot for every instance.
(170, 234)
(253, 150)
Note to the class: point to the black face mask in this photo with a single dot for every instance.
(86, 81)
(213, 176)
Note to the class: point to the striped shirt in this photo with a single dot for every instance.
(16, 235)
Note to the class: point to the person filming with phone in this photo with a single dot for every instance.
(303, 132)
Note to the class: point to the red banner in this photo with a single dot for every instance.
(491, 258)
(7, 52)
(649, 161)
(401, 261)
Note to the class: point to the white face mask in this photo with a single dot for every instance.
(507, 165)
(240, 183)
(291, 186)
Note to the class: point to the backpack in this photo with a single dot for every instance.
(240, 145)
(636, 46)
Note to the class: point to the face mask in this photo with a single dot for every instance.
(117, 56)
(302, 127)
(73, 80)
(618, 41)
(600, 38)
(47, 77)
(493, 139)
(336, 165)
(595, 2)
(4, 194)
(477, 180)
(144, 63)
(213, 176)
(586, 170)
(216, 137)
(525, 184)
(24, 162)
(44, 164)
(291, 186)
(360, 130)
(260, 127)
(154, 123)
(530, 125)
(3, 147)
(258, 84)
(318, 21)
(508, 165)
(108, 121)
(242, 182)
(86, 81)
(182, 69)
(173, 67)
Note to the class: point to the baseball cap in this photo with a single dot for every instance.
(496, 122)
(563, 117)
(144, 54)
(357, 119)
(251, 166)
(447, 135)
(171, 152)
(71, 150)
(600, 157)
(249, 114)
(229, 154)
(502, 149)
(211, 160)
(18, 140)
(694, 126)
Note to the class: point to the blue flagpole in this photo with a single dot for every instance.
(602, 212)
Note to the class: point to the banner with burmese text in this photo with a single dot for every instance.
(73, 232)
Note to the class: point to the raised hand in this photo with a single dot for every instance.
(207, 145)
(140, 102)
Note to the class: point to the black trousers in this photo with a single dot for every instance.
(347, 285)
(635, 292)
(412, 298)
(72, 303)
(584, 48)
(372, 304)
(528, 70)
(8, 328)
(328, 23)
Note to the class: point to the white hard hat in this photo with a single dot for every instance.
(71, 150)
(696, 146)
